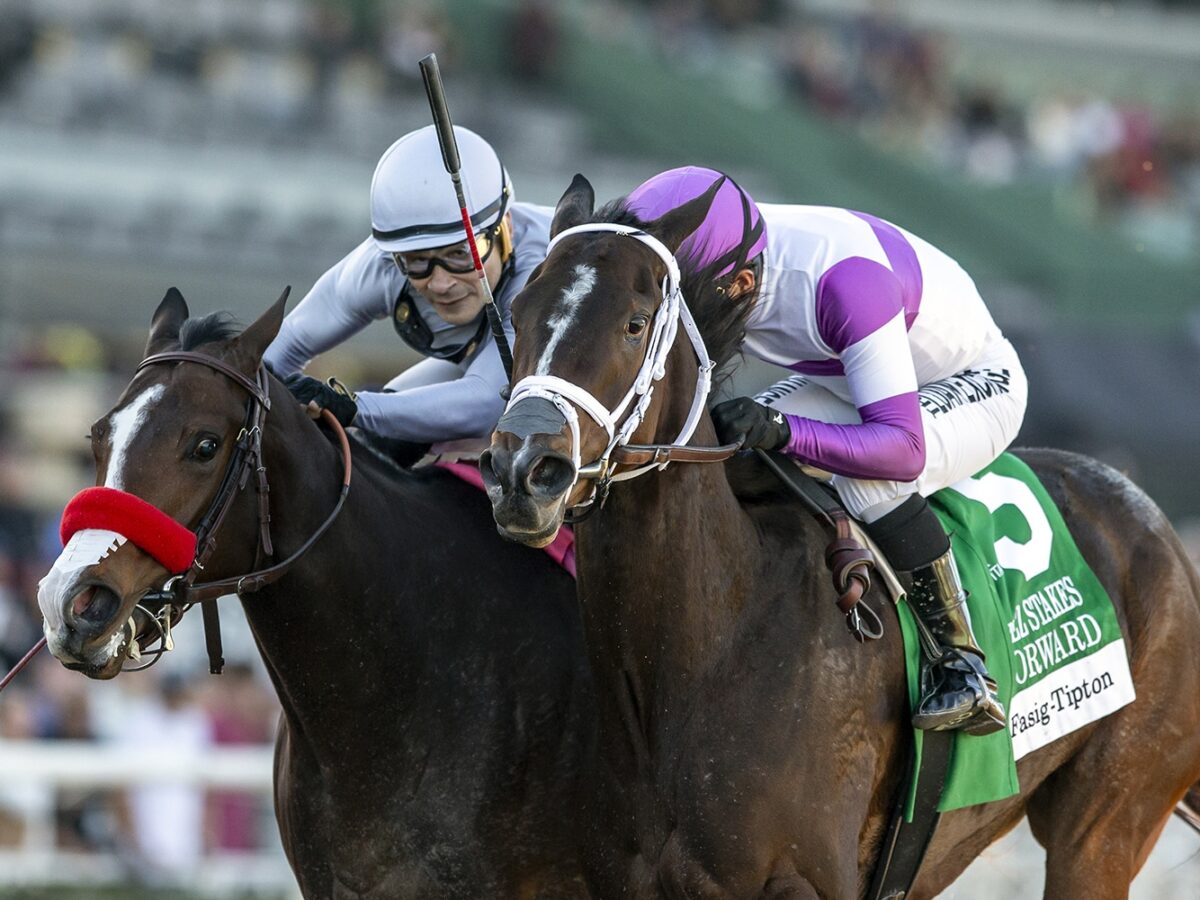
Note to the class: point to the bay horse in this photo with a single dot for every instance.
(748, 748)
(436, 698)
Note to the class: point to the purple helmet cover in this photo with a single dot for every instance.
(724, 228)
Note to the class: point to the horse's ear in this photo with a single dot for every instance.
(172, 312)
(673, 227)
(574, 206)
(251, 344)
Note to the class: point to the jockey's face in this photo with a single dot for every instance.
(456, 296)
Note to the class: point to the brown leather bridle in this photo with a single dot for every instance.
(181, 591)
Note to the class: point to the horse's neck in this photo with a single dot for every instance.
(664, 566)
(668, 555)
(336, 614)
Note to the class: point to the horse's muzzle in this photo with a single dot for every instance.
(85, 638)
(528, 486)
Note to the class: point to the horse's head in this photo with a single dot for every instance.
(162, 453)
(592, 335)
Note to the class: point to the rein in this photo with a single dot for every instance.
(566, 395)
(181, 590)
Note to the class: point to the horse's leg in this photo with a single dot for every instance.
(298, 793)
(1099, 815)
(961, 837)
(1095, 846)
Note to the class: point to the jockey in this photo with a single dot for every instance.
(905, 385)
(416, 269)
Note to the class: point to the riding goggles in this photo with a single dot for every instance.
(455, 259)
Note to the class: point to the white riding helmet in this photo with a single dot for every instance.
(413, 204)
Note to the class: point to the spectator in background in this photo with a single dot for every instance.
(18, 629)
(413, 31)
(534, 40)
(241, 712)
(164, 823)
(18, 801)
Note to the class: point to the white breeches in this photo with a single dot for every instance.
(969, 419)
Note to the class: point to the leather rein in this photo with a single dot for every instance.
(182, 591)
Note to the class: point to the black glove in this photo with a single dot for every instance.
(752, 423)
(331, 395)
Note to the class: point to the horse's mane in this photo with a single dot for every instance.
(722, 322)
(218, 326)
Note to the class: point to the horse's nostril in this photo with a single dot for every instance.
(83, 600)
(95, 605)
(550, 475)
(487, 469)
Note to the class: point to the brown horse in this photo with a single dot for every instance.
(436, 700)
(748, 747)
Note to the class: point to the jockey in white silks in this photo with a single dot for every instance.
(904, 385)
(416, 269)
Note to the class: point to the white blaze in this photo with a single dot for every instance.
(124, 426)
(568, 304)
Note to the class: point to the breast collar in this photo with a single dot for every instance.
(415, 331)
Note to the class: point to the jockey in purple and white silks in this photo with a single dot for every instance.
(417, 270)
(904, 385)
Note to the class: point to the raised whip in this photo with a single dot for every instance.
(432, 77)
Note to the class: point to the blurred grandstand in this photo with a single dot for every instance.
(226, 147)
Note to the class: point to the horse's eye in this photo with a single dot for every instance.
(636, 326)
(206, 449)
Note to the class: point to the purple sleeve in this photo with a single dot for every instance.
(888, 445)
(861, 316)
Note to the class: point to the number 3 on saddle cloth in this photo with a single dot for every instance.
(561, 549)
(1043, 619)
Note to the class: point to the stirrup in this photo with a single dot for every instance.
(985, 716)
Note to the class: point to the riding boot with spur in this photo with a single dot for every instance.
(956, 690)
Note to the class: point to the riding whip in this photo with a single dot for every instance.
(432, 77)
(12, 673)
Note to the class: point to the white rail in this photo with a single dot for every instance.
(34, 774)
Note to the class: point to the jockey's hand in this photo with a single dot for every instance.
(752, 423)
(319, 395)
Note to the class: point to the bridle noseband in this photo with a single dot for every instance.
(566, 395)
(181, 590)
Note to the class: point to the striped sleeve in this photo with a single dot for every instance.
(861, 317)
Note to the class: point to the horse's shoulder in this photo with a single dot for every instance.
(754, 483)
(776, 512)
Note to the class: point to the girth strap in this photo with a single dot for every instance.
(906, 843)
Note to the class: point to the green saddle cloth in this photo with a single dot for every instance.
(1043, 619)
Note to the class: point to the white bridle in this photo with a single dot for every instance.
(566, 396)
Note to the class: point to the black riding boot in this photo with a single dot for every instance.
(956, 691)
